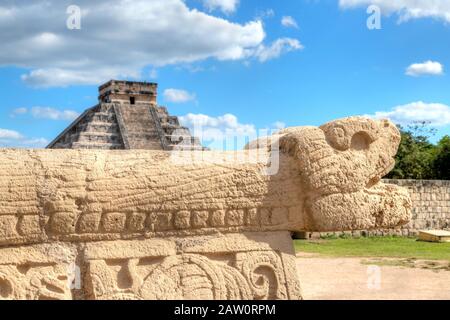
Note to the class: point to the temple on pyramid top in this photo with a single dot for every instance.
(126, 117)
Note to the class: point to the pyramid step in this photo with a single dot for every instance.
(61, 145)
(175, 139)
(144, 137)
(139, 126)
(100, 137)
(96, 145)
(140, 123)
(103, 117)
(169, 120)
(103, 129)
(162, 111)
(146, 132)
(95, 133)
(175, 130)
(101, 123)
(148, 145)
(106, 107)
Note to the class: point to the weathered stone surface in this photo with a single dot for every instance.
(38, 272)
(430, 204)
(427, 214)
(140, 225)
(233, 266)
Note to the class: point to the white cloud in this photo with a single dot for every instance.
(277, 48)
(18, 111)
(47, 113)
(406, 9)
(222, 131)
(435, 114)
(214, 132)
(53, 114)
(34, 143)
(289, 22)
(12, 138)
(58, 77)
(178, 96)
(118, 38)
(227, 6)
(425, 68)
(10, 134)
(224, 122)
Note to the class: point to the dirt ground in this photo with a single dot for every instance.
(365, 278)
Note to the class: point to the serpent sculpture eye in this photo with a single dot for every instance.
(360, 141)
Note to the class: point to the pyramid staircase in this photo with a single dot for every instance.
(122, 126)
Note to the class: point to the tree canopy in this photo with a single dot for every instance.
(418, 158)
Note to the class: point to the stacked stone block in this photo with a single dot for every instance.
(431, 203)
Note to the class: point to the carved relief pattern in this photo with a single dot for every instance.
(34, 282)
(233, 266)
(138, 222)
(188, 276)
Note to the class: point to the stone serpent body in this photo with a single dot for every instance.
(328, 179)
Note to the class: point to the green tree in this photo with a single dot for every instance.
(441, 163)
(415, 156)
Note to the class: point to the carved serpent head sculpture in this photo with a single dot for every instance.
(342, 163)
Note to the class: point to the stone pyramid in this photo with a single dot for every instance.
(127, 117)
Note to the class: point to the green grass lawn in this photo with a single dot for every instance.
(398, 247)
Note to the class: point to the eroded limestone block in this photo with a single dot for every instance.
(232, 266)
(37, 272)
(190, 226)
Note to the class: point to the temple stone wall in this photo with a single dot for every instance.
(431, 209)
(431, 203)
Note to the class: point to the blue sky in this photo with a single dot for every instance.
(261, 63)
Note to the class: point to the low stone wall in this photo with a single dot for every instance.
(431, 203)
(431, 209)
